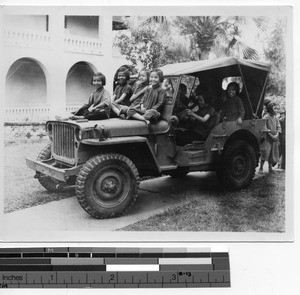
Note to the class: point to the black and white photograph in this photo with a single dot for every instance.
(138, 123)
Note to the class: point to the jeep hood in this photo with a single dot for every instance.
(115, 127)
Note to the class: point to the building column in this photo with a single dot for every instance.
(105, 36)
(56, 96)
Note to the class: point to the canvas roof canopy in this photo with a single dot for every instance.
(212, 72)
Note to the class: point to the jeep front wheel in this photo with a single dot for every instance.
(47, 182)
(238, 165)
(107, 185)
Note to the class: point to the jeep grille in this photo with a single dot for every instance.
(63, 137)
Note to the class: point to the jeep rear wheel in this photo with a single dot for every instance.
(107, 185)
(238, 165)
(47, 182)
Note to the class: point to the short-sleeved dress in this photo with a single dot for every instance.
(198, 130)
(121, 89)
(232, 109)
(97, 97)
(270, 151)
(135, 105)
(153, 102)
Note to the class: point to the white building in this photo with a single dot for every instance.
(48, 57)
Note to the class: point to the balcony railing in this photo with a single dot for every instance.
(31, 39)
(33, 113)
(42, 40)
(83, 45)
(27, 114)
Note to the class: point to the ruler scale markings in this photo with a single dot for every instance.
(55, 254)
(77, 261)
(185, 261)
(11, 255)
(24, 261)
(103, 255)
(132, 267)
(170, 267)
(130, 261)
(187, 267)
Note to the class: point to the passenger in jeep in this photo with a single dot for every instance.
(98, 105)
(182, 102)
(202, 120)
(233, 108)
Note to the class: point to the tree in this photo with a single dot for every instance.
(151, 46)
(275, 53)
(159, 40)
(220, 35)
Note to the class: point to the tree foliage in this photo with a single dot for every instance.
(150, 46)
(275, 53)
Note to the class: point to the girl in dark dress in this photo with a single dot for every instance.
(139, 88)
(233, 108)
(122, 93)
(202, 121)
(153, 100)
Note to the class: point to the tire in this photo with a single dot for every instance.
(49, 183)
(107, 185)
(179, 172)
(237, 166)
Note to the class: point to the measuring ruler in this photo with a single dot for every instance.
(75, 267)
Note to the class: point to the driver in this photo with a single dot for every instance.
(201, 118)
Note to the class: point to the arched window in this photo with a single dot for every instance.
(26, 84)
(79, 83)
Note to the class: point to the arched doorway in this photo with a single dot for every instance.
(78, 85)
(26, 84)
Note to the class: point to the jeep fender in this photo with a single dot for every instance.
(137, 148)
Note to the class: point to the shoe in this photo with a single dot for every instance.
(260, 171)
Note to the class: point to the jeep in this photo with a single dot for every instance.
(106, 159)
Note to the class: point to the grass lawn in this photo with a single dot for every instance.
(259, 208)
(21, 190)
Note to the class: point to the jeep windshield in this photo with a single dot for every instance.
(251, 75)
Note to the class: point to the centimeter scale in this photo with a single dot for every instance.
(70, 267)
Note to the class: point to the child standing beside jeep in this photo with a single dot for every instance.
(153, 100)
(233, 109)
(271, 148)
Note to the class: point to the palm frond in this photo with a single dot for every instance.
(156, 20)
(262, 23)
(247, 51)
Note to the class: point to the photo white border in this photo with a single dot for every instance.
(256, 268)
(180, 236)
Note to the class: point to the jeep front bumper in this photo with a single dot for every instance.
(47, 168)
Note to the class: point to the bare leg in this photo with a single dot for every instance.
(138, 117)
(261, 166)
(115, 110)
(60, 118)
(271, 168)
(76, 117)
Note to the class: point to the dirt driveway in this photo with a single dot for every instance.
(155, 195)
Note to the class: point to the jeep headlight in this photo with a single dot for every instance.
(49, 130)
(78, 134)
